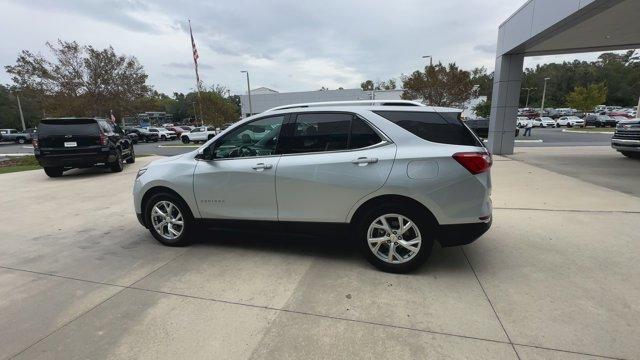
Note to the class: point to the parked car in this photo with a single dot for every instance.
(163, 134)
(19, 137)
(400, 177)
(66, 143)
(521, 121)
(199, 134)
(570, 121)
(133, 136)
(600, 121)
(143, 134)
(619, 118)
(626, 139)
(481, 127)
(545, 122)
(178, 130)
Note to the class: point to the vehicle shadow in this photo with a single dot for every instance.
(333, 246)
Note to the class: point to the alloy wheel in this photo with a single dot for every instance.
(394, 238)
(167, 220)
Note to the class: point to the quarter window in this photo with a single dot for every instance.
(257, 138)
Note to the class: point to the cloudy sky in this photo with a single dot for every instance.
(286, 45)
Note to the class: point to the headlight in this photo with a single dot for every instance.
(140, 172)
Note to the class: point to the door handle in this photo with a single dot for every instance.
(363, 161)
(261, 166)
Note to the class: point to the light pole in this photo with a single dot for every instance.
(195, 115)
(248, 92)
(528, 92)
(430, 59)
(21, 116)
(544, 94)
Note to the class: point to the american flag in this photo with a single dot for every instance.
(195, 53)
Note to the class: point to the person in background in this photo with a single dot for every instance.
(528, 127)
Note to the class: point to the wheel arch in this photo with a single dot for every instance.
(391, 199)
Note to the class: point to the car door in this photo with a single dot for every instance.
(236, 177)
(329, 162)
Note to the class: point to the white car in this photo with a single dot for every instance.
(199, 134)
(570, 121)
(163, 134)
(522, 121)
(398, 175)
(545, 122)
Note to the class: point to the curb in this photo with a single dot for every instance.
(588, 132)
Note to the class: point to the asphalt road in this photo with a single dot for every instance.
(539, 138)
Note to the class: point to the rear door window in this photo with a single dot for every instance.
(444, 128)
(319, 132)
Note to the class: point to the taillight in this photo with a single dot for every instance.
(103, 139)
(475, 162)
(35, 143)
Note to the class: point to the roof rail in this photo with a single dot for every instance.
(353, 102)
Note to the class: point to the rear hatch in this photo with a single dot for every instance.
(69, 134)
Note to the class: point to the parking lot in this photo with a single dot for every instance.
(555, 278)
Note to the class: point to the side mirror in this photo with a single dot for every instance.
(205, 153)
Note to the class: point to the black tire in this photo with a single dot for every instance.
(53, 172)
(185, 140)
(188, 222)
(631, 155)
(21, 140)
(163, 138)
(426, 227)
(132, 156)
(155, 140)
(116, 165)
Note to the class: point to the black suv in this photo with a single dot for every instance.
(600, 121)
(67, 143)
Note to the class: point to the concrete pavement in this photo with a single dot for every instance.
(555, 278)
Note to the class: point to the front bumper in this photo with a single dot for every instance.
(626, 145)
(462, 234)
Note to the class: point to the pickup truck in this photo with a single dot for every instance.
(19, 137)
(626, 139)
(199, 134)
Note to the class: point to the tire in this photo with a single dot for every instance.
(53, 172)
(163, 138)
(155, 140)
(185, 140)
(116, 166)
(21, 140)
(132, 157)
(631, 155)
(402, 260)
(165, 238)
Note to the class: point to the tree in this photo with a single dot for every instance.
(439, 85)
(80, 80)
(586, 98)
(367, 85)
(483, 109)
(483, 80)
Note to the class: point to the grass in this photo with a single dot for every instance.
(19, 163)
(29, 162)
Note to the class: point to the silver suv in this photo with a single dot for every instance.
(398, 174)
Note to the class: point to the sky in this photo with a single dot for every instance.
(285, 45)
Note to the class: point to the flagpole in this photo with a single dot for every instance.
(195, 66)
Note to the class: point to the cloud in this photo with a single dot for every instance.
(187, 65)
(486, 48)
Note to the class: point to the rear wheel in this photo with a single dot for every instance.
(22, 140)
(53, 172)
(395, 238)
(116, 165)
(132, 156)
(169, 219)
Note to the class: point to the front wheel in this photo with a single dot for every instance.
(395, 239)
(631, 155)
(22, 141)
(169, 220)
(185, 140)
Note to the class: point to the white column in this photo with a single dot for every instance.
(504, 103)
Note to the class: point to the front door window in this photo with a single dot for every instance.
(257, 138)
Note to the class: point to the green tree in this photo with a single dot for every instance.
(367, 85)
(439, 85)
(80, 80)
(483, 109)
(586, 98)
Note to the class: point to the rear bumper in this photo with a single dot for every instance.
(461, 234)
(77, 159)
